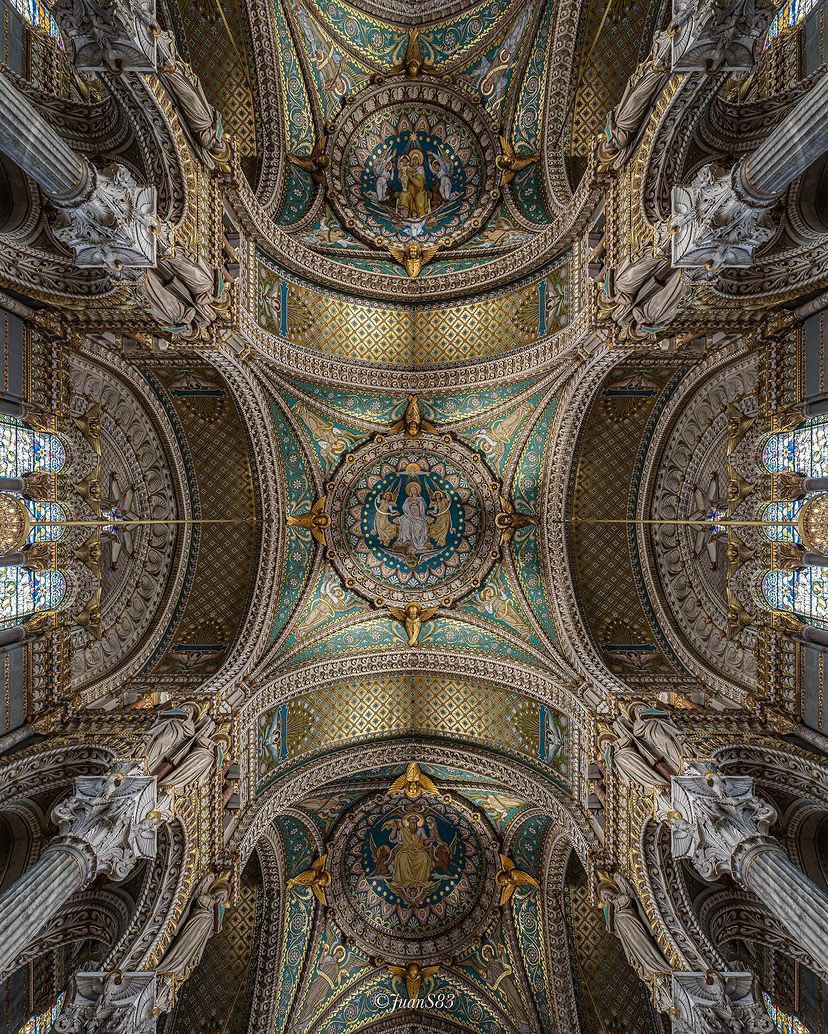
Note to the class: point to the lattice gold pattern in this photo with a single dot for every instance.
(603, 69)
(353, 710)
(226, 552)
(410, 336)
(223, 67)
(605, 468)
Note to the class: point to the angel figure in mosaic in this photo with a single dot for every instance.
(439, 518)
(331, 601)
(384, 519)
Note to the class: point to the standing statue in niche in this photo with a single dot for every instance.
(644, 746)
(184, 746)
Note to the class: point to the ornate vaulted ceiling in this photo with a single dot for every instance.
(389, 148)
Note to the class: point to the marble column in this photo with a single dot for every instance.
(721, 827)
(105, 827)
(725, 214)
(12, 559)
(12, 484)
(104, 216)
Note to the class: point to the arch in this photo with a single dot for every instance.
(300, 781)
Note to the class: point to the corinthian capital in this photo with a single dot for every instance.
(113, 225)
(716, 820)
(110, 1003)
(108, 821)
(109, 35)
(715, 226)
(718, 1003)
(717, 35)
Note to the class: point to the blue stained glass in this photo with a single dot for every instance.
(789, 15)
(37, 14)
(42, 1022)
(803, 451)
(783, 511)
(802, 592)
(24, 451)
(24, 592)
(49, 512)
(785, 1023)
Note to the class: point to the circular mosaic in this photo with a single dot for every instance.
(412, 879)
(413, 170)
(413, 520)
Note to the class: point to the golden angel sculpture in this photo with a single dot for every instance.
(413, 256)
(413, 423)
(414, 783)
(412, 617)
(509, 521)
(316, 521)
(413, 974)
(509, 878)
(316, 163)
(315, 878)
(509, 163)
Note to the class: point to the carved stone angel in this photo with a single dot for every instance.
(203, 920)
(173, 730)
(200, 118)
(628, 116)
(655, 730)
(624, 920)
(623, 752)
(204, 753)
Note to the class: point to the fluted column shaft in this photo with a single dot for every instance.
(30, 141)
(36, 898)
(796, 143)
(793, 899)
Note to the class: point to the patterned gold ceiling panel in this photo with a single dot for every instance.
(413, 336)
(353, 711)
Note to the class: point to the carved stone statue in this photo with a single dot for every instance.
(173, 729)
(204, 753)
(203, 920)
(200, 118)
(630, 757)
(656, 731)
(624, 920)
(629, 115)
(183, 296)
(642, 296)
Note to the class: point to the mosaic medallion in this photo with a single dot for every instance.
(411, 164)
(412, 879)
(413, 521)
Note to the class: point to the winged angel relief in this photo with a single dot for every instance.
(411, 857)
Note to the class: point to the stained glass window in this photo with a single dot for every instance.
(804, 451)
(24, 592)
(49, 512)
(36, 13)
(791, 13)
(42, 1023)
(785, 1023)
(24, 451)
(783, 511)
(803, 592)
